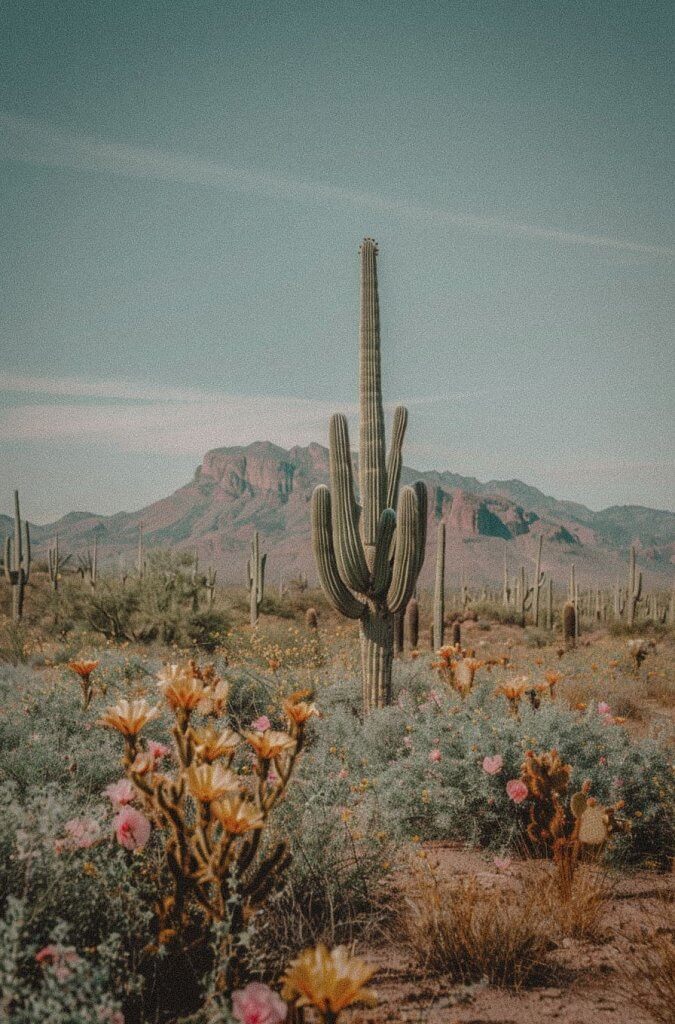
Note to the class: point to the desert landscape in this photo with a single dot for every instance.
(337, 522)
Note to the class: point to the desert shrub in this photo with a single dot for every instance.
(464, 933)
(15, 643)
(207, 629)
(650, 978)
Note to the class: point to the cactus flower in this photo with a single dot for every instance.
(492, 765)
(258, 1004)
(131, 828)
(516, 790)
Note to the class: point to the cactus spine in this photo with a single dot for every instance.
(634, 589)
(17, 562)
(369, 550)
(256, 577)
(439, 588)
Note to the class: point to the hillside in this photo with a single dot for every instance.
(268, 488)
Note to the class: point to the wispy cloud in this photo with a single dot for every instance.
(138, 417)
(42, 144)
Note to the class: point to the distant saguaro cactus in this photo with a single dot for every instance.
(369, 550)
(634, 589)
(55, 563)
(439, 587)
(210, 586)
(412, 624)
(539, 578)
(569, 623)
(17, 562)
(256, 577)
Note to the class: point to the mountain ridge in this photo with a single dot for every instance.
(263, 486)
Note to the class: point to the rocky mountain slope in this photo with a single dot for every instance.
(264, 487)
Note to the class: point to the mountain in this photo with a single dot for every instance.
(264, 487)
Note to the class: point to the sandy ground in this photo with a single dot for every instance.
(585, 989)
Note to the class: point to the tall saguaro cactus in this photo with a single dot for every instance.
(256, 577)
(368, 555)
(539, 578)
(439, 588)
(17, 561)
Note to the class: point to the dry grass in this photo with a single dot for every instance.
(465, 933)
(650, 979)
(580, 913)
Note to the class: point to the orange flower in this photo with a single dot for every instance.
(129, 717)
(83, 668)
(209, 782)
(299, 711)
(329, 981)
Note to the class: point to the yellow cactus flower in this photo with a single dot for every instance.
(237, 815)
(129, 717)
(270, 744)
(328, 980)
(211, 744)
(209, 782)
(181, 688)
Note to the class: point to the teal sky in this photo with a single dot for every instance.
(184, 187)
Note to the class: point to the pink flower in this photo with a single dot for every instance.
(343, 774)
(272, 777)
(59, 958)
(132, 828)
(407, 742)
(602, 760)
(434, 755)
(493, 765)
(502, 863)
(261, 724)
(120, 793)
(81, 833)
(604, 708)
(516, 790)
(258, 1004)
(157, 750)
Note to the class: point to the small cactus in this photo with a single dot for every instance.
(311, 618)
(456, 633)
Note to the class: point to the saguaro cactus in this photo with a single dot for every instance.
(210, 586)
(256, 577)
(369, 550)
(439, 589)
(17, 561)
(412, 624)
(539, 578)
(54, 564)
(634, 589)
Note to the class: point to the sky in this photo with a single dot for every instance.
(183, 191)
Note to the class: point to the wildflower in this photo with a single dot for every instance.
(129, 717)
(237, 815)
(270, 744)
(211, 745)
(298, 710)
(343, 774)
(209, 782)
(329, 981)
(407, 742)
(83, 668)
(81, 833)
(120, 793)
(59, 958)
(604, 708)
(434, 755)
(131, 828)
(502, 863)
(516, 790)
(182, 688)
(158, 751)
(258, 1004)
(261, 724)
(215, 699)
(492, 765)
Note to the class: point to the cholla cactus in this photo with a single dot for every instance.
(638, 650)
(457, 667)
(565, 828)
(369, 556)
(17, 562)
(212, 812)
(255, 572)
(514, 690)
(312, 618)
